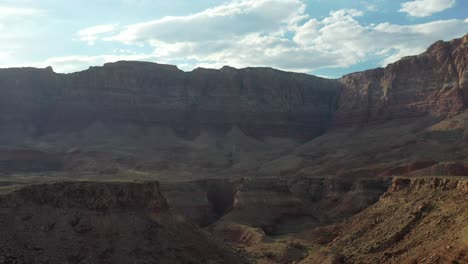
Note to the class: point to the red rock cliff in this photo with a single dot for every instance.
(261, 101)
(434, 82)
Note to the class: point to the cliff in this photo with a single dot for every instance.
(276, 205)
(434, 82)
(260, 101)
(151, 117)
(85, 222)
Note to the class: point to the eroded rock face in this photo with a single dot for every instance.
(100, 223)
(434, 82)
(202, 202)
(276, 205)
(280, 206)
(260, 101)
(419, 220)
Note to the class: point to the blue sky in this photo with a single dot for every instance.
(323, 37)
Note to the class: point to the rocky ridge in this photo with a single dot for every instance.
(86, 222)
(418, 220)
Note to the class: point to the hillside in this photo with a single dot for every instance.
(100, 223)
(419, 220)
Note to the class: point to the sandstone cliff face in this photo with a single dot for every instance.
(434, 82)
(260, 101)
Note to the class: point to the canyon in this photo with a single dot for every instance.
(142, 162)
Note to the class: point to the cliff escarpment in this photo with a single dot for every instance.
(434, 82)
(260, 101)
(90, 222)
(140, 116)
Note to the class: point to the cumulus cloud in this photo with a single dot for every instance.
(341, 33)
(91, 34)
(276, 33)
(228, 20)
(423, 8)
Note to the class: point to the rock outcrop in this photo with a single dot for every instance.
(418, 220)
(88, 222)
(280, 206)
(435, 82)
(202, 202)
(276, 205)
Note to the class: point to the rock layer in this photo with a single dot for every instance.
(276, 205)
(434, 82)
(418, 220)
(100, 223)
(260, 101)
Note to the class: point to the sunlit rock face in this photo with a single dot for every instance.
(434, 82)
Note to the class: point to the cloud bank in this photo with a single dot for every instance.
(277, 33)
(240, 33)
(424, 8)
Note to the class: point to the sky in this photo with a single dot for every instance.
(327, 38)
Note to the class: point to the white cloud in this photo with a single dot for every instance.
(423, 8)
(275, 33)
(228, 20)
(91, 34)
(341, 33)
